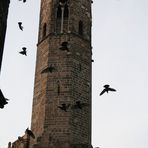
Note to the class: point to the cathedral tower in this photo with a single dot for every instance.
(61, 114)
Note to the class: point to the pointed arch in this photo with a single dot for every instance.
(62, 14)
(59, 12)
(66, 12)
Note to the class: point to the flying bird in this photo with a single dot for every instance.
(20, 26)
(3, 100)
(48, 69)
(64, 107)
(24, 52)
(107, 89)
(79, 105)
(64, 46)
(30, 133)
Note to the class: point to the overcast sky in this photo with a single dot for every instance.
(120, 53)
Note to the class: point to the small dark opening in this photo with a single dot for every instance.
(44, 29)
(80, 67)
(58, 88)
(80, 27)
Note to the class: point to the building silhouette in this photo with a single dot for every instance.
(4, 5)
(61, 110)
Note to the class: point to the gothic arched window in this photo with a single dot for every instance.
(80, 28)
(66, 11)
(62, 14)
(59, 12)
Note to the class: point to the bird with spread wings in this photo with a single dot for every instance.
(3, 100)
(107, 89)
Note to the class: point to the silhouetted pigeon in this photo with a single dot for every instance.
(24, 52)
(3, 100)
(20, 25)
(106, 89)
(79, 105)
(64, 107)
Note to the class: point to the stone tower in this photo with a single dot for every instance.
(63, 76)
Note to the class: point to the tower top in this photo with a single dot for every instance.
(65, 16)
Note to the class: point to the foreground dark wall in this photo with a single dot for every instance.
(4, 4)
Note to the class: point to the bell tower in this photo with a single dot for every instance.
(61, 110)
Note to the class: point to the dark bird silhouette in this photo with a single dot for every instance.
(79, 105)
(92, 60)
(20, 26)
(30, 133)
(107, 89)
(24, 52)
(64, 46)
(48, 69)
(64, 107)
(3, 100)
